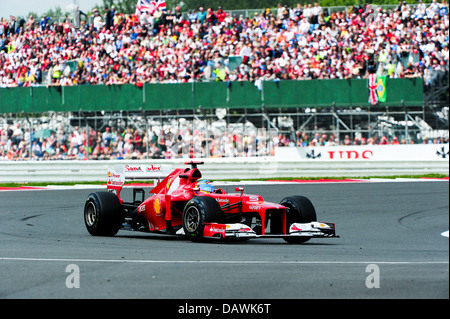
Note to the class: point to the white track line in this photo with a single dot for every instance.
(243, 262)
(445, 234)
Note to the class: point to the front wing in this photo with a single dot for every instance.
(310, 230)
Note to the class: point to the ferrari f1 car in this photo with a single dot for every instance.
(183, 204)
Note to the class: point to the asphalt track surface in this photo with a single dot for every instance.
(390, 246)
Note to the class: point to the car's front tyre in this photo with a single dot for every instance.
(300, 210)
(197, 212)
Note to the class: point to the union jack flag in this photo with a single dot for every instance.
(150, 6)
(373, 97)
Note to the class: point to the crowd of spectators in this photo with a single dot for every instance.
(303, 42)
(17, 143)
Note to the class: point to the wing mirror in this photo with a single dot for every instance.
(239, 189)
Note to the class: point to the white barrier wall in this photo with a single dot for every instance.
(349, 161)
(413, 152)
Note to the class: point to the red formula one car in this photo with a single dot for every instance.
(184, 204)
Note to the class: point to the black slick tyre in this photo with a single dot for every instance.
(103, 214)
(197, 212)
(300, 210)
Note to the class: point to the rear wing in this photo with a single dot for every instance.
(118, 174)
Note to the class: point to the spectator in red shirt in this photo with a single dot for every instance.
(220, 14)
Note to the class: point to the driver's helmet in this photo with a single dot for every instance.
(205, 186)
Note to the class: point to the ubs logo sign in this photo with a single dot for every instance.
(342, 154)
(442, 152)
(313, 155)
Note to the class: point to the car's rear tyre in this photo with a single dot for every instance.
(197, 212)
(300, 210)
(103, 214)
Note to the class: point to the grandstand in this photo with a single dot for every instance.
(282, 76)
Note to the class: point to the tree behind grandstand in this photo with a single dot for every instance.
(258, 4)
(123, 6)
(129, 6)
